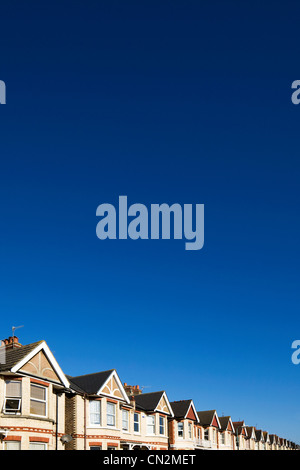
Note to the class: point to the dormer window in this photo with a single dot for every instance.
(13, 397)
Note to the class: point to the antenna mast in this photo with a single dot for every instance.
(13, 334)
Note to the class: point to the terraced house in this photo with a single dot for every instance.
(41, 408)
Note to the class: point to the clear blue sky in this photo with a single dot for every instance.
(162, 101)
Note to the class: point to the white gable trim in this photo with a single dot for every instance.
(43, 346)
(164, 395)
(116, 377)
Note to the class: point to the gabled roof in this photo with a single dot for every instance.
(251, 432)
(266, 436)
(90, 383)
(225, 423)
(150, 401)
(240, 427)
(259, 435)
(181, 409)
(207, 418)
(97, 384)
(13, 356)
(17, 358)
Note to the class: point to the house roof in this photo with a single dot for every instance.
(259, 435)
(150, 401)
(206, 417)
(181, 408)
(239, 426)
(250, 431)
(224, 422)
(90, 383)
(14, 356)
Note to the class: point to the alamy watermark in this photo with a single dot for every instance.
(154, 224)
(296, 353)
(296, 94)
(2, 92)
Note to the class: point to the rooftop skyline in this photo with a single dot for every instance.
(163, 103)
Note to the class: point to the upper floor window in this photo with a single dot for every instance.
(125, 420)
(180, 429)
(161, 425)
(38, 400)
(136, 422)
(151, 424)
(13, 396)
(95, 412)
(111, 414)
(222, 437)
(206, 434)
(190, 430)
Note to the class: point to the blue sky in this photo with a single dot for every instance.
(186, 102)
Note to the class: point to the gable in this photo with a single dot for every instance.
(112, 389)
(191, 414)
(215, 422)
(41, 363)
(39, 366)
(229, 427)
(162, 406)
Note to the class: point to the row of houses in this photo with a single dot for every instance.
(44, 409)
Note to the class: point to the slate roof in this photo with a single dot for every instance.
(13, 356)
(250, 430)
(224, 421)
(259, 435)
(180, 408)
(206, 417)
(148, 401)
(90, 383)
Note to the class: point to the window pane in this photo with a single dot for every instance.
(12, 404)
(37, 408)
(37, 446)
(13, 388)
(111, 413)
(95, 412)
(125, 420)
(136, 422)
(13, 445)
(161, 425)
(37, 392)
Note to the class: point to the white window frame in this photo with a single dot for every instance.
(180, 432)
(162, 426)
(7, 443)
(136, 422)
(40, 401)
(114, 415)
(18, 399)
(151, 425)
(190, 430)
(95, 425)
(125, 413)
(39, 443)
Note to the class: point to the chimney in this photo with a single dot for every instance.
(12, 342)
(132, 390)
